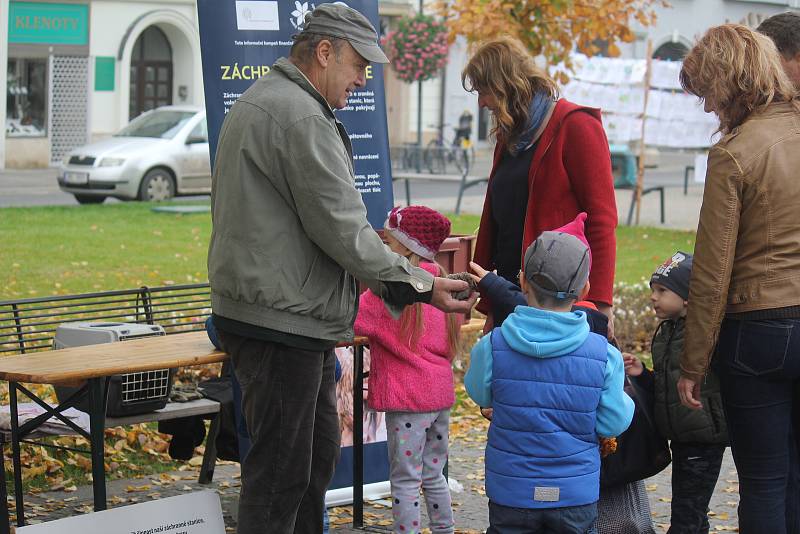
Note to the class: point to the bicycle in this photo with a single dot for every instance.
(460, 151)
(411, 157)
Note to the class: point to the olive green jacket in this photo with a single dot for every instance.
(674, 420)
(290, 232)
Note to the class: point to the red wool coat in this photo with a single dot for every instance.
(570, 173)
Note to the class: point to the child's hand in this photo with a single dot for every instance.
(487, 413)
(633, 365)
(480, 272)
(607, 446)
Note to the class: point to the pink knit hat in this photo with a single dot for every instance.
(418, 228)
(576, 228)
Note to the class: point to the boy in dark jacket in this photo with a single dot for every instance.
(697, 437)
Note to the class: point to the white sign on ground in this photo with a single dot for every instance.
(193, 513)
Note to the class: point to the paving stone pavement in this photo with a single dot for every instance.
(466, 467)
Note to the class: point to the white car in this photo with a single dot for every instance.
(159, 154)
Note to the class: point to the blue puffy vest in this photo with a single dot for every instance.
(542, 450)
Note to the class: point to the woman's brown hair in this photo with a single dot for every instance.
(738, 70)
(411, 320)
(504, 68)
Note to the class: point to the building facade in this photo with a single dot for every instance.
(78, 71)
(676, 29)
(679, 26)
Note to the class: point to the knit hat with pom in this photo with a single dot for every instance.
(576, 228)
(418, 228)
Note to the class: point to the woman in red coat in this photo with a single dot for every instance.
(551, 162)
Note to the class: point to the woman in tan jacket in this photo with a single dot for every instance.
(744, 299)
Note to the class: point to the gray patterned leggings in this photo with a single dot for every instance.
(417, 455)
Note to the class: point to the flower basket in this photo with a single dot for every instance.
(417, 49)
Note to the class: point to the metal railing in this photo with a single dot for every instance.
(29, 325)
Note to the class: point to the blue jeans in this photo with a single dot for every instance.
(566, 520)
(758, 363)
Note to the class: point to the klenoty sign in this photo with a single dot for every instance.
(45, 23)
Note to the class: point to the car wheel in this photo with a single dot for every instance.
(89, 199)
(157, 186)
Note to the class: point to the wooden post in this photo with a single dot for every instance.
(640, 170)
(419, 117)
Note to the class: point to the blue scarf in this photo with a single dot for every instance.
(540, 105)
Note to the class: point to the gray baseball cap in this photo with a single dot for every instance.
(339, 20)
(562, 260)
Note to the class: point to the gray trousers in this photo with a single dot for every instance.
(418, 444)
(289, 404)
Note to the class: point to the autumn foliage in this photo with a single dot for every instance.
(551, 28)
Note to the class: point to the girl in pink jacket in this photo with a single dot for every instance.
(411, 378)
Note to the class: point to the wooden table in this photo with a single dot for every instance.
(96, 363)
(93, 364)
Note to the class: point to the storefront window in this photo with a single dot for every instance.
(26, 98)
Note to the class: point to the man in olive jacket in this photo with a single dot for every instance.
(290, 237)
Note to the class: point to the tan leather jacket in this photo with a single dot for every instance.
(747, 255)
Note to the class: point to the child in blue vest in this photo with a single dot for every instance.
(554, 387)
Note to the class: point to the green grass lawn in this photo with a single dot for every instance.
(65, 250)
(76, 249)
(641, 249)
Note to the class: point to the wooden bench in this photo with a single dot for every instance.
(465, 181)
(93, 364)
(28, 326)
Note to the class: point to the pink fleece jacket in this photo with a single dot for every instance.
(402, 380)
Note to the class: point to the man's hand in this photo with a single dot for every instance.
(608, 311)
(689, 392)
(633, 365)
(487, 413)
(442, 298)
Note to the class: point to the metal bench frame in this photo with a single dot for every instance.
(29, 325)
